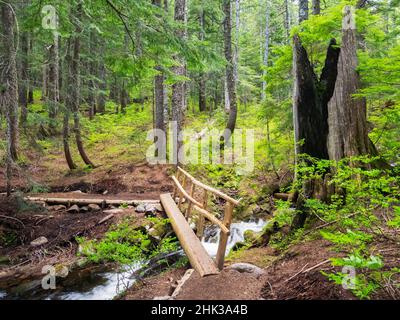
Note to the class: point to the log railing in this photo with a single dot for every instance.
(183, 182)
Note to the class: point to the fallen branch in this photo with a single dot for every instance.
(106, 218)
(307, 270)
(181, 282)
(14, 219)
(295, 275)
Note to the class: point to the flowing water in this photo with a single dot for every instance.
(105, 282)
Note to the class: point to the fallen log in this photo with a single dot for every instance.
(82, 201)
(284, 196)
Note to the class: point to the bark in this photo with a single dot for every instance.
(159, 96)
(303, 10)
(202, 77)
(92, 73)
(237, 35)
(287, 20)
(316, 7)
(178, 88)
(9, 82)
(73, 98)
(53, 83)
(230, 77)
(67, 113)
(310, 100)
(101, 98)
(348, 130)
(266, 51)
(23, 77)
(202, 93)
(44, 81)
(123, 96)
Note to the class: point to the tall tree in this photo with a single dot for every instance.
(266, 50)
(316, 7)
(9, 83)
(159, 94)
(178, 88)
(348, 130)
(202, 76)
(303, 10)
(73, 100)
(67, 110)
(53, 82)
(230, 76)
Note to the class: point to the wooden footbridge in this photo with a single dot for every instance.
(188, 208)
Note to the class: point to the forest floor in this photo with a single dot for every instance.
(292, 273)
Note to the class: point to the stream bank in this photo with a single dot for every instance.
(84, 281)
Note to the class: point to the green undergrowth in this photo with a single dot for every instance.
(127, 242)
(362, 216)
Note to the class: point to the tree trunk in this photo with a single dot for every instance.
(92, 73)
(101, 98)
(9, 83)
(53, 83)
(178, 88)
(266, 52)
(303, 10)
(237, 37)
(202, 93)
(230, 77)
(348, 133)
(23, 77)
(73, 98)
(123, 97)
(287, 20)
(202, 78)
(316, 7)
(159, 97)
(310, 100)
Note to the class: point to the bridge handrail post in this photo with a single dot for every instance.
(223, 240)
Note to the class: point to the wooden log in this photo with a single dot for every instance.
(200, 222)
(190, 206)
(212, 218)
(283, 196)
(181, 194)
(185, 194)
(82, 201)
(208, 188)
(223, 241)
(197, 255)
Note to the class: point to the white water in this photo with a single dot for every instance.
(210, 241)
(114, 282)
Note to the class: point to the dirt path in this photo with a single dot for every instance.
(286, 277)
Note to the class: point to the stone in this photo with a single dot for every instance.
(84, 209)
(73, 209)
(81, 262)
(57, 208)
(141, 208)
(247, 268)
(159, 208)
(250, 236)
(77, 191)
(39, 241)
(94, 207)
